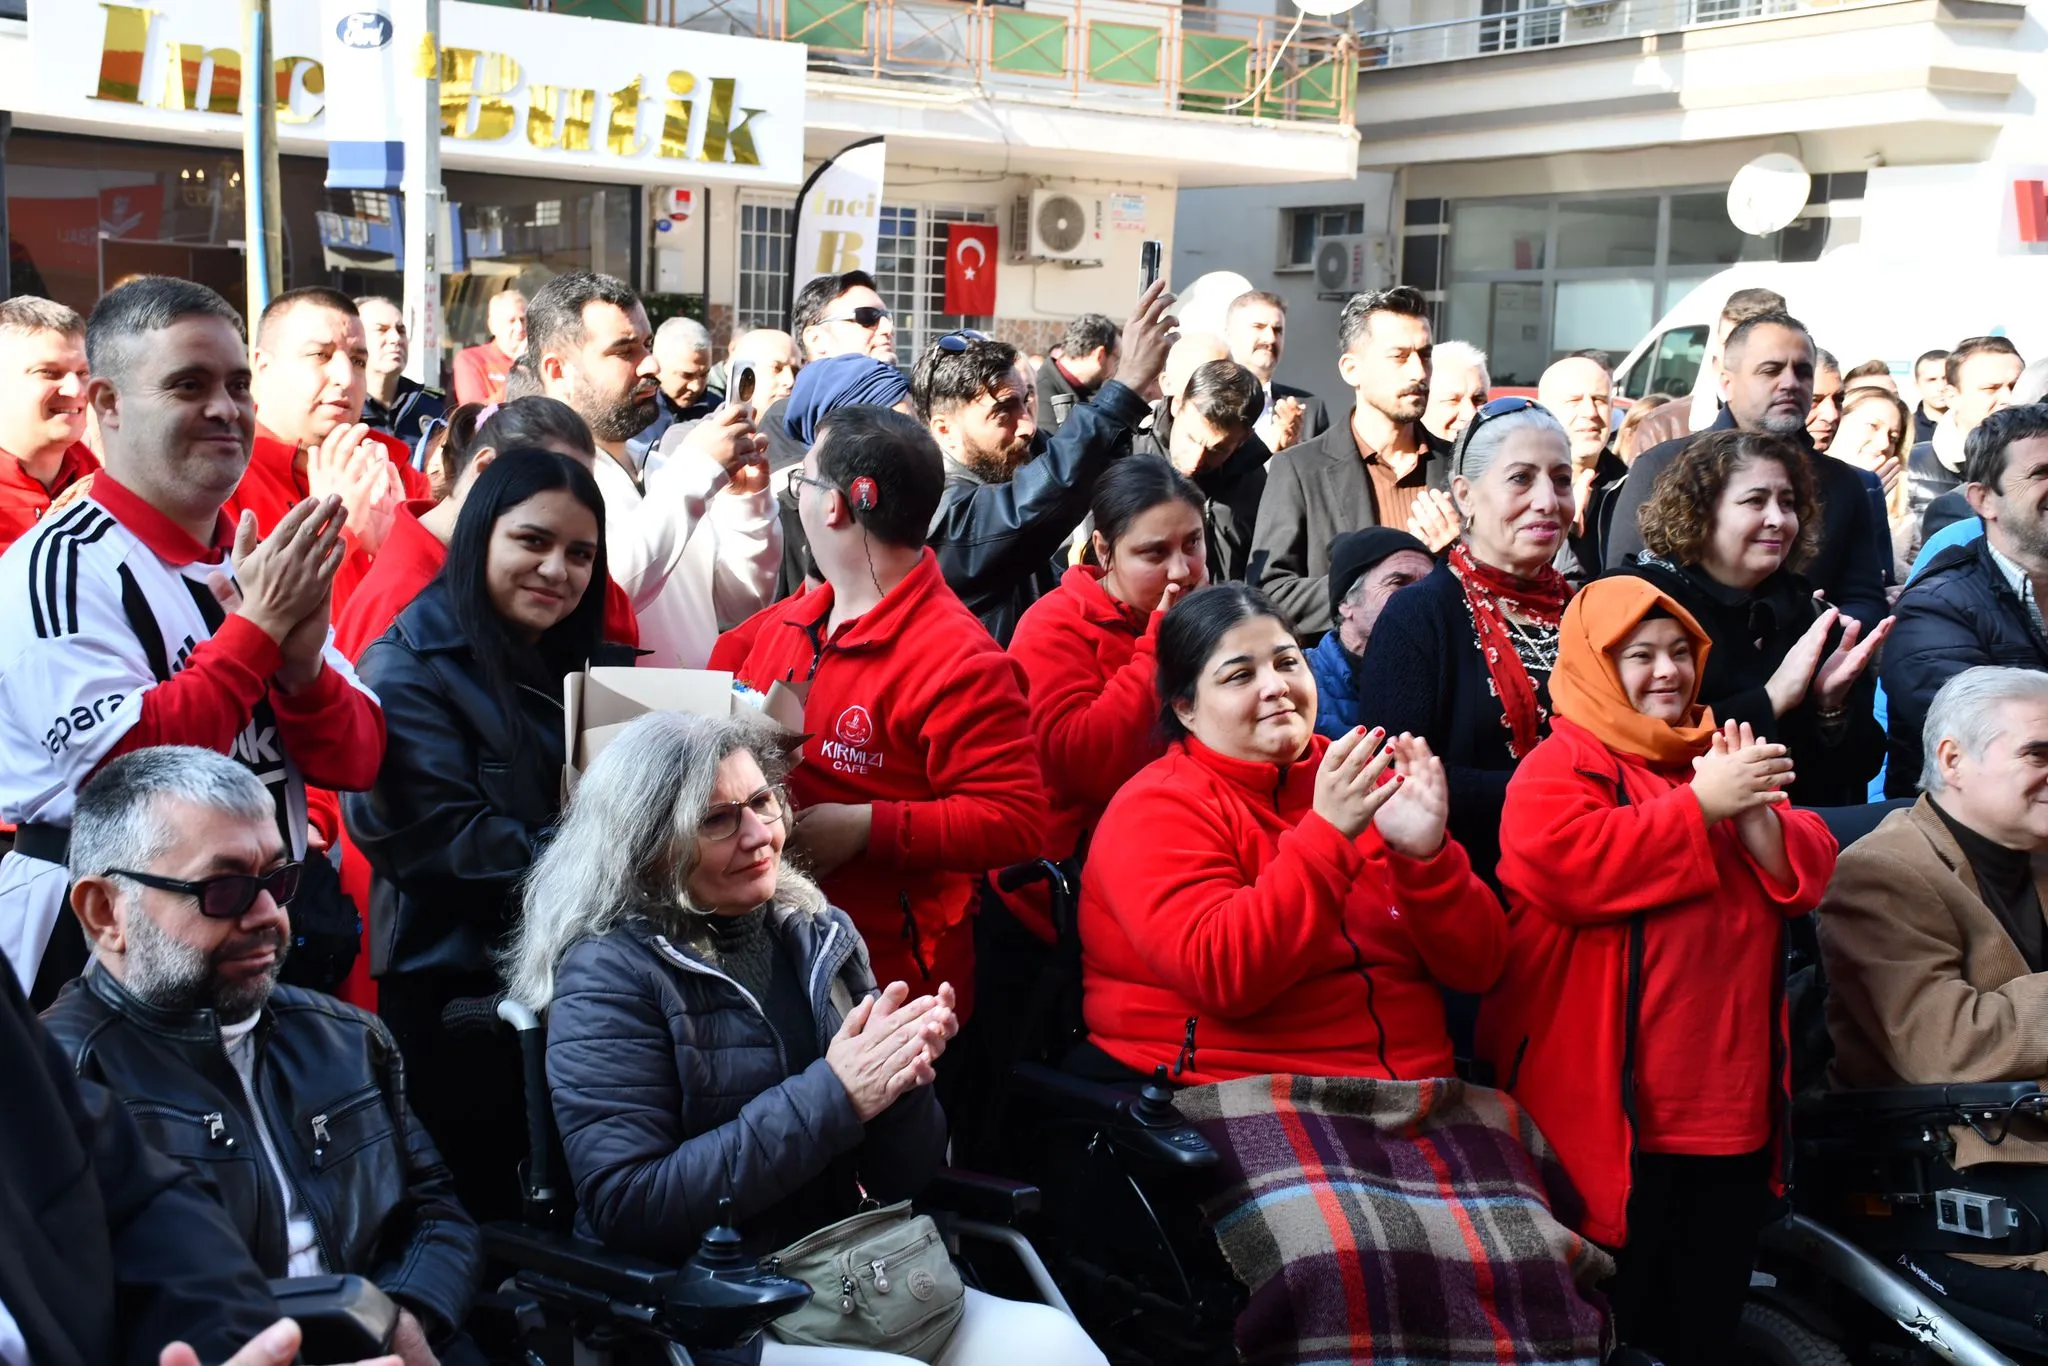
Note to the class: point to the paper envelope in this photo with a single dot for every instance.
(598, 704)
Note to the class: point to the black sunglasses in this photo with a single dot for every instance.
(867, 316)
(1500, 407)
(953, 343)
(225, 897)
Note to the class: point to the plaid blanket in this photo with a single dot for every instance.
(1403, 1222)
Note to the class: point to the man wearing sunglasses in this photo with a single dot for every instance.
(290, 1103)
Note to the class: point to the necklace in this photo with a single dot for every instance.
(1536, 645)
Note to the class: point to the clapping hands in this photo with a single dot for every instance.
(888, 1045)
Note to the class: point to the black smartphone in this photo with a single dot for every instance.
(1151, 260)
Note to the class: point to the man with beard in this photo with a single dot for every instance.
(1766, 378)
(1379, 467)
(292, 1104)
(1579, 392)
(1013, 496)
(691, 531)
(129, 628)
(401, 407)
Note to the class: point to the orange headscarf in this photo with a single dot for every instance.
(1585, 687)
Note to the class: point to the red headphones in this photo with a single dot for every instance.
(864, 493)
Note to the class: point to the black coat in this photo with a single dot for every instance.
(1057, 396)
(1583, 555)
(1751, 633)
(1231, 491)
(1422, 673)
(997, 543)
(671, 1093)
(1316, 491)
(1853, 559)
(1944, 512)
(1927, 478)
(1960, 612)
(109, 1251)
(462, 801)
(333, 1096)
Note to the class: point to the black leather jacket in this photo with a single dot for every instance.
(332, 1090)
(1232, 490)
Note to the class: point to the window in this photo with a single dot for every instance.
(763, 294)
(1516, 29)
(1306, 227)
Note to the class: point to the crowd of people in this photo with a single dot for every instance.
(1451, 741)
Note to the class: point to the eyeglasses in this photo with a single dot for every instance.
(722, 822)
(225, 897)
(869, 317)
(953, 343)
(1500, 407)
(797, 476)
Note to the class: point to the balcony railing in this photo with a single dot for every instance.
(1559, 25)
(1130, 55)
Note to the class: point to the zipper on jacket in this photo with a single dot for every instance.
(1185, 1061)
(689, 964)
(1379, 1030)
(1515, 1067)
(914, 936)
(279, 1136)
(319, 1123)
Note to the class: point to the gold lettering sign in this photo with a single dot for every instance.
(622, 133)
(677, 116)
(486, 77)
(121, 53)
(313, 81)
(719, 134)
(839, 252)
(183, 63)
(572, 132)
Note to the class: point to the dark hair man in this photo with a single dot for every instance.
(129, 627)
(1930, 382)
(309, 378)
(1086, 361)
(42, 410)
(1767, 379)
(1977, 380)
(1013, 496)
(920, 772)
(593, 350)
(180, 877)
(1976, 603)
(833, 315)
(1255, 325)
(1826, 413)
(481, 372)
(1379, 467)
(401, 407)
(1203, 427)
(1699, 412)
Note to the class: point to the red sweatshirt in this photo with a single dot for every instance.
(1579, 869)
(914, 708)
(273, 486)
(1090, 669)
(480, 373)
(1234, 919)
(24, 500)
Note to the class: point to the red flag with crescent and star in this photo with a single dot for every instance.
(971, 269)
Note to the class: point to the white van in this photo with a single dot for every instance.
(1858, 306)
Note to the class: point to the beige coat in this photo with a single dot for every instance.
(1924, 984)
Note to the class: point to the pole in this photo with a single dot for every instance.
(6, 233)
(425, 200)
(264, 244)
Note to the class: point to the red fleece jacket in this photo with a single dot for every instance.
(273, 486)
(1090, 670)
(1233, 918)
(1578, 868)
(915, 709)
(24, 500)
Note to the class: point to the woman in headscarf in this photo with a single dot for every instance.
(1649, 861)
(821, 386)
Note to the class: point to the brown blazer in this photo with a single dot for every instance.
(1924, 984)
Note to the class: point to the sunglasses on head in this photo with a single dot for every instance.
(228, 896)
(953, 343)
(867, 316)
(1500, 407)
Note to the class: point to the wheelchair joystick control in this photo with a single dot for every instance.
(720, 1248)
(1155, 1109)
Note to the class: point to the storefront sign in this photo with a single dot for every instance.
(365, 135)
(521, 91)
(839, 215)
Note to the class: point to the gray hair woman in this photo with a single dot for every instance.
(713, 1026)
(1462, 658)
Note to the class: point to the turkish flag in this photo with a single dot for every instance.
(971, 269)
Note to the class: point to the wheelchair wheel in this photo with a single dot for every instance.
(1771, 1337)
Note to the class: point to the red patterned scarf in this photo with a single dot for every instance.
(1492, 594)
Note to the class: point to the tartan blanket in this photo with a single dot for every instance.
(1413, 1222)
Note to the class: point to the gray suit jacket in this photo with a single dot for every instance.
(1316, 491)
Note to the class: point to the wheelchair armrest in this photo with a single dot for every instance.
(342, 1318)
(579, 1262)
(1156, 1133)
(977, 1195)
(1916, 1104)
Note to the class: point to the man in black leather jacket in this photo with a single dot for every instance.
(1204, 428)
(291, 1104)
(1012, 495)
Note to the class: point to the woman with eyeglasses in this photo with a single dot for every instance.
(714, 1031)
(470, 676)
(1725, 533)
(1462, 658)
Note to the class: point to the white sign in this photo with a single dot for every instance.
(839, 214)
(365, 135)
(524, 92)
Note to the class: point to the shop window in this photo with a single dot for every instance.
(1607, 232)
(1306, 227)
(763, 296)
(1701, 234)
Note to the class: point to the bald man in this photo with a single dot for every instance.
(480, 370)
(1579, 391)
(773, 356)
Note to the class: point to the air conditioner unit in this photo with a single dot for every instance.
(1350, 264)
(1057, 225)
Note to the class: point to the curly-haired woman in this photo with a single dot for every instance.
(1726, 531)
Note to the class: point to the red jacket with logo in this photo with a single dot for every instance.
(1597, 847)
(1234, 932)
(913, 708)
(1090, 669)
(273, 486)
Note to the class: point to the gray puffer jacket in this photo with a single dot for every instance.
(671, 1092)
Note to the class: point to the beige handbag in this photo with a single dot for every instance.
(881, 1281)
